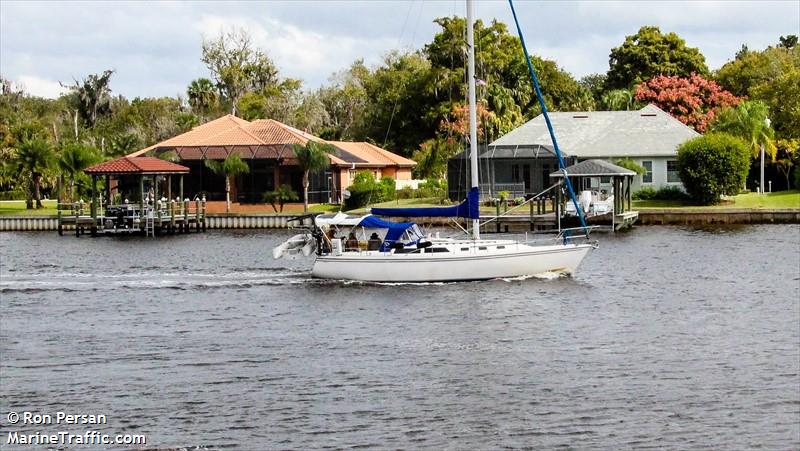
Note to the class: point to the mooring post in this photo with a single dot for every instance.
(94, 206)
(197, 215)
(204, 213)
(497, 217)
(185, 225)
(172, 216)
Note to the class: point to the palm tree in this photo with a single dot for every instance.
(33, 157)
(312, 158)
(202, 95)
(74, 158)
(231, 167)
(617, 100)
(748, 120)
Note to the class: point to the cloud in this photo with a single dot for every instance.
(299, 53)
(41, 87)
(155, 47)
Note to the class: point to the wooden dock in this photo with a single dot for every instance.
(548, 222)
(165, 217)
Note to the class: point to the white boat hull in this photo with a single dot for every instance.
(513, 260)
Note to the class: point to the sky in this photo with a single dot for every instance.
(155, 47)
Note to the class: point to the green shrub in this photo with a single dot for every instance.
(646, 193)
(713, 165)
(12, 195)
(280, 196)
(671, 193)
(432, 188)
(406, 192)
(366, 191)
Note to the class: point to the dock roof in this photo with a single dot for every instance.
(594, 168)
(136, 165)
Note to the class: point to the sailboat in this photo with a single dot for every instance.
(370, 248)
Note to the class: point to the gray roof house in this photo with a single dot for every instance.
(524, 157)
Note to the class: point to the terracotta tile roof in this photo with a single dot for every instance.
(136, 165)
(273, 132)
(267, 138)
(372, 154)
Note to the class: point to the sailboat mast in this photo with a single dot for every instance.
(473, 122)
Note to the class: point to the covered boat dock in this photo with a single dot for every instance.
(137, 198)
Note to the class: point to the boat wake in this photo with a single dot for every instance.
(152, 280)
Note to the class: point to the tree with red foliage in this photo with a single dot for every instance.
(693, 100)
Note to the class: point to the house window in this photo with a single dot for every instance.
(605, 180)
(647, 177)
(672, 172)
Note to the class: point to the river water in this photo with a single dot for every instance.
(666, 337)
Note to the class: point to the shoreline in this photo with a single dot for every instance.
(647, 216)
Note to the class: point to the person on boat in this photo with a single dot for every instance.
(327, 241)
(374, 242)
(352, 243)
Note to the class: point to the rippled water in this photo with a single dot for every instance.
(667, 337)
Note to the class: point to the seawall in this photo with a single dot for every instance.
(254, 221)
(666, 216)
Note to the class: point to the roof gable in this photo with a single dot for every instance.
(590, 134)
(136, 165)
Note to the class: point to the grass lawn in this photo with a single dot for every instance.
(324, 208)
(781, 199)
(17, 208)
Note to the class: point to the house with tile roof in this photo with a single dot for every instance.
(266, 145)
(521, 161)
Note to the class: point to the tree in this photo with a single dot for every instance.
(782, 96)
(649, 53)
(312, 158)
(33, 158)
(230, 168)
(281, 196)
(693, 100)
(236, 66)
(202, 96)
(617, 100)
(788, 158)
(713, 165)
(751, 69)
(74, 158)
(92, 95)
(628, 163)
(595, 84)
(186, 121)
(123, 144)
(747, 121)
(344, 101)
(432, 157)
(788, 42)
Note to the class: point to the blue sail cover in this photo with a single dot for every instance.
(469, 208)
(396, 229)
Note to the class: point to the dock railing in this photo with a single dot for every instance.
(131, 217)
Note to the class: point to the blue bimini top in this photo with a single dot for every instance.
(469, 208)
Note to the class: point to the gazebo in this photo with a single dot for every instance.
(620, 178)
(148, 212)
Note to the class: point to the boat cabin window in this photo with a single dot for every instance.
(482, 248)
(501, 247)
(465, 249)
